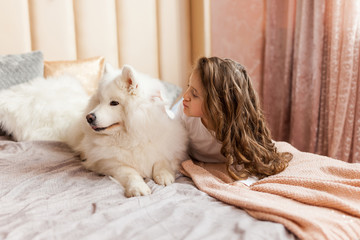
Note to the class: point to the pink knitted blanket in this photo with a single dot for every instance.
(316, 197)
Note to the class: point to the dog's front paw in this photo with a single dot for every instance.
(137, 189)
(164, 178)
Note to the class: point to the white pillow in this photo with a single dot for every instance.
(42, 109)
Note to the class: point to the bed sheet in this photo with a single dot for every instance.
(45, 193)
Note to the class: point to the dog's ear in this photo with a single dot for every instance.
(109, 73)
(128, 76)
(108, 68)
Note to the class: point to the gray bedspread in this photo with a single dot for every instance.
(45, 193)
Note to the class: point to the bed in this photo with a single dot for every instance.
(45, 192)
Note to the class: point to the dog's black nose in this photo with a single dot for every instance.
(90, 118)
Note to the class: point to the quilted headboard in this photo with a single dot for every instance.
(152, 35)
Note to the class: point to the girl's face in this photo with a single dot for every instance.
(193, 98)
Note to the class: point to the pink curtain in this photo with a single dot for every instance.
(311, 83)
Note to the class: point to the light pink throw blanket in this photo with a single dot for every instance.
(316, 197)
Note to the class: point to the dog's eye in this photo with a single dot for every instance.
(114, 103)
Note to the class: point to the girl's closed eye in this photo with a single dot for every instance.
(193, 93)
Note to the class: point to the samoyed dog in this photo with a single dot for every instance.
(127, 134)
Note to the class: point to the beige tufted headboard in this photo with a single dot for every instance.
(152, 35)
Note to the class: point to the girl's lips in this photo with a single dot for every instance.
(185, 106)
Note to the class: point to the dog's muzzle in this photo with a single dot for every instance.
(90, 118)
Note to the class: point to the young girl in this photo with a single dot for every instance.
(221, 112)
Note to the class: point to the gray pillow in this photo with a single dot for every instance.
(172, 91)
(20, 68)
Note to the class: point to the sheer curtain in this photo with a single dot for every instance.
(311, 85)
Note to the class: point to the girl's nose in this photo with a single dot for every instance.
(186, 96)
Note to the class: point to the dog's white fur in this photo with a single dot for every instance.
(42, 109)
(129, 135)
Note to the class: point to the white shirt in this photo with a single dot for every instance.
(203, 146)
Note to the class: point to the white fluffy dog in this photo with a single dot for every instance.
(127, 134)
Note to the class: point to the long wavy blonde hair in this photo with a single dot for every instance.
(232, 109)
